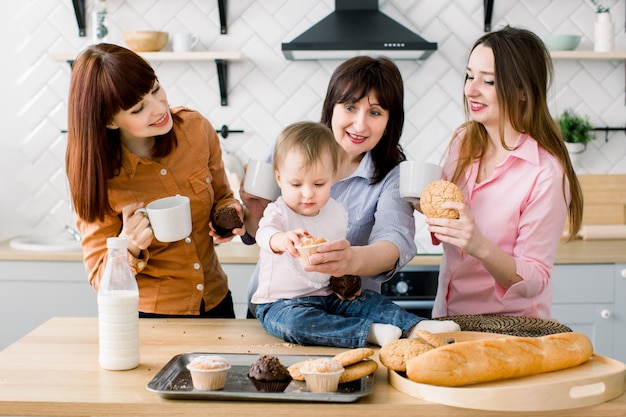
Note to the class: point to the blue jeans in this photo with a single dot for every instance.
(331, 321)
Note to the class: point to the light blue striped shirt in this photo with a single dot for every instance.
(377, 212)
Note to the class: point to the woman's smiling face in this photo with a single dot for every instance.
(149, 118)
(359, 126)
(480, 89)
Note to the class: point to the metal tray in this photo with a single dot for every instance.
(173, 381)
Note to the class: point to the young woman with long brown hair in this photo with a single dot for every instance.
(510, 161)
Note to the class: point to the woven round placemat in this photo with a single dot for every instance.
(511, 325)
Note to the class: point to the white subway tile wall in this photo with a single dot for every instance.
(266, 91)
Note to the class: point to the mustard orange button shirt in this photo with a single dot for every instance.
(175, 277)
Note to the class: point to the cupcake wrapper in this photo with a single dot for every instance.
(305, 252)
(322, 382)
(269, 386)
(208, 380)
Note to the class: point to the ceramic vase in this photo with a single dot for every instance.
(575, 152)
(603, 33)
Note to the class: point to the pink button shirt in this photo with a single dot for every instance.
(522, 209)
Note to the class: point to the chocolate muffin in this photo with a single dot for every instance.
(225, 220)
(269, 375)
(346, 286)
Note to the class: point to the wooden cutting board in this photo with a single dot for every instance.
(598, 380)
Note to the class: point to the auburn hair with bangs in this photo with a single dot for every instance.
(106, 79)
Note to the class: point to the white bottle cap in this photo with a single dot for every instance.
(117, 243)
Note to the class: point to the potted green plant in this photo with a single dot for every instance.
(577, 132)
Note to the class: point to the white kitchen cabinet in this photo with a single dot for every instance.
(589, 298)
(238, 277)
(31, 292)
(619, 317)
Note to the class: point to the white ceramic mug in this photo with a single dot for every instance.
(170, 218)
(414, 176)
(184, 42)
(260, 180)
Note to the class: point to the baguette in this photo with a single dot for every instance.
(493, 359)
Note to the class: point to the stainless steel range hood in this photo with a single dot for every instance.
(357, 27)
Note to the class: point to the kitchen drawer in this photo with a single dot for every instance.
(32, 292)
(586, 283)
(596, 321)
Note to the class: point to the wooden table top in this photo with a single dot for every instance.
(575, 252)
(54, 371)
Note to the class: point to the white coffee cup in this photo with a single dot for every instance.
(184, 42)
(170, 218)
(260, 180)
(414, 176)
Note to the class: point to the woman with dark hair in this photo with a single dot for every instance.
(364, 108)
(126, 147)
(510, 161)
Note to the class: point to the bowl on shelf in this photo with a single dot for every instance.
(561, 42)
(145, 40)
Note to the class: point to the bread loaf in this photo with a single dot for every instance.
(493, 359)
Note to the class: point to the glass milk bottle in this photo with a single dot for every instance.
(118, 316)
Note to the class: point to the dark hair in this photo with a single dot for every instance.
(523, 73)
(106, 79)
(355, 79)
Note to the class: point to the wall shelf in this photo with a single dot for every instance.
(221, 62)
(589, 55)
(79, 11)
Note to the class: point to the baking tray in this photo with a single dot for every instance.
(173, 381)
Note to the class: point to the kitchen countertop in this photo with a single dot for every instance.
(576, 252)
(54, 371)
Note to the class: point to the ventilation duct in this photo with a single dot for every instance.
(357, 27)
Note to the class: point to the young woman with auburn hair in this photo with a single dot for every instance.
(127, 147)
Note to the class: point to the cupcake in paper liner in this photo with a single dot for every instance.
(208, 372)
(269, 375)
(307, 247)
(311, 279)
(322, 375)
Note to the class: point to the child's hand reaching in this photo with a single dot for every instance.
(287, 241)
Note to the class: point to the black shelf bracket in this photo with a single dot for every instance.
(79, 11)
(221, 5)
(222, 77)
(488, 9)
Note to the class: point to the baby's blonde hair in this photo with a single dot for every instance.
(311, 139)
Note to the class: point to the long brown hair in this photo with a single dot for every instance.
(106, 79)
(355, 79)
(522, 63)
